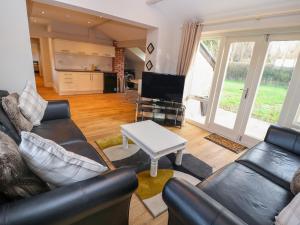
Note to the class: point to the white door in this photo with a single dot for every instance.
(275, 93)
(238, 67)
(256, 87)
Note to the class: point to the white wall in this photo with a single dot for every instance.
(69, 61)
(15, 56)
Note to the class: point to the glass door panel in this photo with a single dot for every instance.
(201, 76)
(271, 93)
(233, 88)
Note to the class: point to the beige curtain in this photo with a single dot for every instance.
(190, 39)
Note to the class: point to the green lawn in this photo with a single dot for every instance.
(268, 102)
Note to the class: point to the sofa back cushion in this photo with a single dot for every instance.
(5, 124)
(247, 194)
(285, 138)
(3, 199)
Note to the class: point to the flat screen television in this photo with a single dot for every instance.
(163, 86)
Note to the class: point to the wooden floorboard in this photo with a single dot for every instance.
(100, 115)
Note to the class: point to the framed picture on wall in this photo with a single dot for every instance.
(150, 48)
(149, 65)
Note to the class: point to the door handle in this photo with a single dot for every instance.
(246, 92)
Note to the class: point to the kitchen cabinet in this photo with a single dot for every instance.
(67, 82)
(83, 48)
(84, 81)
(97, 81)
(80, 83)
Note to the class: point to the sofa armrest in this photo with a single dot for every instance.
(57, 110)
(188, 205)
(285, 138)
(73, 203)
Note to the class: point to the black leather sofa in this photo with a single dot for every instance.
(101, 200)
(252, 190)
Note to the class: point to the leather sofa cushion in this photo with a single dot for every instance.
(272, 162)
(62, 131)
(286, 138)
(3, 199)
(85, 149)
(3, 93)
(247, 194)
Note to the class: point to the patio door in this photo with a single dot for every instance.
(239, 64)
(252, 87)
(275, 89)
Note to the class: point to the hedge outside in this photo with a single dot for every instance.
(275, 76)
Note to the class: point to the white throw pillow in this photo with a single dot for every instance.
(55, 165)
(290, 215)
(32, 105)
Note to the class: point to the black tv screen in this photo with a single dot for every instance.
(162, 86)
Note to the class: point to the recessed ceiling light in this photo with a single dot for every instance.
(43, 12)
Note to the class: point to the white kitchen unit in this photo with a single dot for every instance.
(67, 82)
(70, 83)
(97, 81)
(83, 48)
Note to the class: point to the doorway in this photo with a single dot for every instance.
(36, 55)
(251, 87)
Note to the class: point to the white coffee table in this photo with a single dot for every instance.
(155, 140)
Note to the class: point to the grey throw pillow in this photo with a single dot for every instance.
(16, 180)
(10, 106)
(295, 184)
(32, 105)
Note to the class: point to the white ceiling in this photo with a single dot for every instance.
(48, 15)
(120, 32)
(218, 9)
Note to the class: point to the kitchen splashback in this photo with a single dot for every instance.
(69, 61)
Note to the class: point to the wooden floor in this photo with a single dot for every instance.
(101, 115)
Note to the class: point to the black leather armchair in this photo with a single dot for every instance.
(196, 207)
(90, 202)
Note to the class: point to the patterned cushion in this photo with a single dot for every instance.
(10, 106)
(295, 184)
(16, 180)
(32, 105)
(54, 164)
(290, 215)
